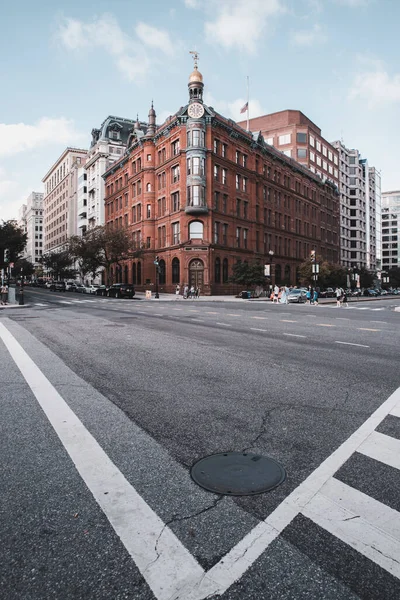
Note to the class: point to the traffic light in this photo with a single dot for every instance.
(6, 255)
(312, 255)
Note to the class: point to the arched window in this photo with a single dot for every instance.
(126, 274)
(134, 280)
(196, 230)
(175, 270)
(278, 274)
(225, 270)
(161, 274)
(287, 275)
(148, 187)
(217, 270)
(139, 273)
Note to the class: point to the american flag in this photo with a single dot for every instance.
(244, 108)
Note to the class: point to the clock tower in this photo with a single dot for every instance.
(196, 145)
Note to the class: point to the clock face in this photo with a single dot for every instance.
(196, 110)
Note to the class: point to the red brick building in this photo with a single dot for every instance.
(201, 193)
(294, 134)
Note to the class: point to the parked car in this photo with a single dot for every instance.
(80, 288)
(328, 293)
(102, 290)
(48, 284)
(121, 290)
(297, 295)
(57, 286)
(370, 292)
(70, 286)
(91, 289)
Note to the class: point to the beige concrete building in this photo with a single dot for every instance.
(60, 199)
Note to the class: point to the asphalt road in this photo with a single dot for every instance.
(99, 432)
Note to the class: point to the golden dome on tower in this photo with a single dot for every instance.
(196, 76)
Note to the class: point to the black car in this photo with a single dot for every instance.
(102, 290)
(121, 290)
(57, 286)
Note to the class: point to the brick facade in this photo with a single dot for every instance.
(201, 193)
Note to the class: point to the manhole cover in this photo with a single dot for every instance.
(238, 473)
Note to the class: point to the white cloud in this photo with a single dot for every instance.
(376, 88)
(131, 53)
(19, 137)
(231, 110)
(353, 3)
(238, 23)
(309, 37)
(155, 38)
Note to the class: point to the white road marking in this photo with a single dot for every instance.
(351, 344)
(256, 329)
(260, 318)
(374, 512)
(225, 324)
(382, 447)
(65, 302)
(287, 321)
(177, 309)
(295, 335)
(197, 320)
(212, 313)
(324, 325)
(383, 322)
(396, 411)
(172, 573)
(157, 315)
(162, 559)
(234, 564)
(193, 310)
(358, 533)
(366, 329)
(233, 315)
(342, 319)
(39, 304)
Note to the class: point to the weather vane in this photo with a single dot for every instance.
(195, 56)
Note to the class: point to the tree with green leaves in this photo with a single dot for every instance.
(24, 268)
(330, 275)
(59, 264)
(248, 274)
(112, 246)
(87, 255)
(13, 239)
(394, 277)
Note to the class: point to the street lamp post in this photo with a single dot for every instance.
(156, 263)
(271, 258)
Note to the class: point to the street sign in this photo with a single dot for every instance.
(267, 270)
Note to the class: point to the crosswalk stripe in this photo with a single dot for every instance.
(374, 512)
(358, 533)
(396, 411)
(382, 447)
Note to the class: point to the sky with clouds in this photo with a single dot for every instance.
(66, 66)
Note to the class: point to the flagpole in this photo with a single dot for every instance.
(248, 116)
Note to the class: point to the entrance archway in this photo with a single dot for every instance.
(196, 273)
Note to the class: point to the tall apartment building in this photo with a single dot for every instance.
(108, 145)
(390, 228)
(359, 210)
(21, 222)
(60, 199)
(202, 194)
(294, 134)
(34, 228)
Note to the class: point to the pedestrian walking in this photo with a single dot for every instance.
(185, 291)
(344, 300)
(308, 296)
(315, 297)
(339, 294)
(177, 291)
(284, 295)
(198, 292)
(191, 292)
(4, 294)
(276, 294)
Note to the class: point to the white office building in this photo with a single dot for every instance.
(30, 220)
(390, 228)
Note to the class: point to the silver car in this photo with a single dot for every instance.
(297, 296)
